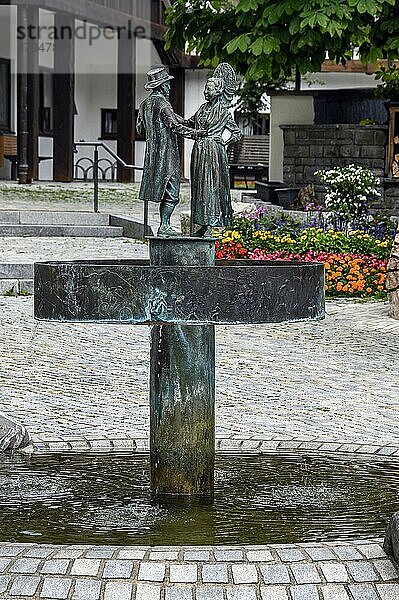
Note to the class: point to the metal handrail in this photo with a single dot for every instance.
(119, 160)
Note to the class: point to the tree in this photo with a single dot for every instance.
(265, 40)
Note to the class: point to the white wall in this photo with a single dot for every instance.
(286, 110)
(194, 97)
(333, 81)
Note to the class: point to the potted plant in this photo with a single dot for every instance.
(266, 190)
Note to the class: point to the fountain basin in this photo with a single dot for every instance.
(259, 499)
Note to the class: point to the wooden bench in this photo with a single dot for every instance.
(249, 161)
(9, 150)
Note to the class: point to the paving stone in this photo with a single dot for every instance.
(55, 566)
(362, 571)
(388, 591)
(304, 592)
(214, 573)
(275, 574)
(119, 590)
(372, 551)
(334, 572)
(209, 593)
(334, 592)
(241, 593)
(100, 552)
(39, 552)
(173, 593)
(131, 553)
(86, 589)
(228, 555)
(290, 554)
(118, 569)
(347, 553)
(56, 588)
(164, 555)
(151, 571)
(259, 555)
(200, 555)
(244, 574)
(4, 562)
(4, 581)
(10, 550)
(68, 553)
(24, 586)
(184, 573)
(364, 591)
(148, 591)
(85, 566)
(305, 573)
(386, 569)
(273, 592)
(25, 565)
(320, 553)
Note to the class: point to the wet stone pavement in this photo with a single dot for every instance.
(301, 572)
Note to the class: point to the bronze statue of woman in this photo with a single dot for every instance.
(210, 183)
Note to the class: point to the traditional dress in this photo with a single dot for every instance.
(210, 183)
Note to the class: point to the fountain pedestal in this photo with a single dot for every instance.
(182, 293)
(182, 386)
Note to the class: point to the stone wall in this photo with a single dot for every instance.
(311, 147)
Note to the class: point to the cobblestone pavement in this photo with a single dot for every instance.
(329, 571)
(335, 379)
(28, 250)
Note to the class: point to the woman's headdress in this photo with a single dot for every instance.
(226, 73)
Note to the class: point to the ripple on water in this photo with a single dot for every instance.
(284, 498)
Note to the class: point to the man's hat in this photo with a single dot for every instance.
(157, 77)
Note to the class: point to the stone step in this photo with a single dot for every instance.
(16, 279)
(100, 231)
(16, 271)
(38, 217)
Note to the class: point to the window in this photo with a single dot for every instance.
(5, 95)
(109, 123)
(46, 102)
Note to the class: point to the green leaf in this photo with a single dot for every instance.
(243, 42)
(257, 46)
(247, 5)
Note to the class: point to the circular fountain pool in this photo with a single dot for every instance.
(284, 498)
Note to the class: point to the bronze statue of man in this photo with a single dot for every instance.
(161, 174)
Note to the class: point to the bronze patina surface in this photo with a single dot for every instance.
(182, 293)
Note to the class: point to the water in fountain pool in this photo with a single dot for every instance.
(284, 498)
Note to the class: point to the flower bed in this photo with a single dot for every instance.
(355, 261)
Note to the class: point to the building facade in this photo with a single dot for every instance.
(75, 71)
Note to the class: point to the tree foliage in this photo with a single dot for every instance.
(265, 40)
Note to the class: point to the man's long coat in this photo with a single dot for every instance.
(162, 161)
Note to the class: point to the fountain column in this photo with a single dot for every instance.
(182, 386)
